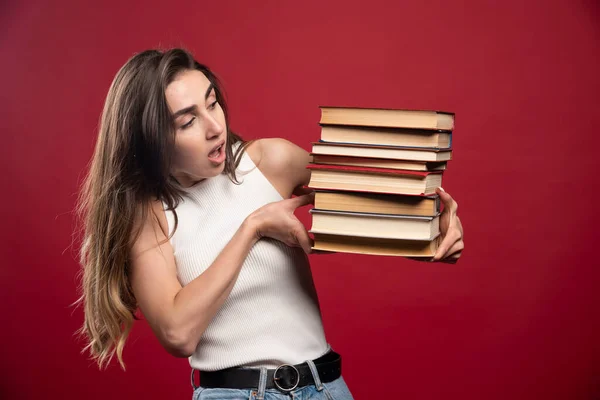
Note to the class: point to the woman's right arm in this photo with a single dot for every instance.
(179, 315)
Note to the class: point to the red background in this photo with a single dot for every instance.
(516, 318)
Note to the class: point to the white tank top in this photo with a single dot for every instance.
(272, 315)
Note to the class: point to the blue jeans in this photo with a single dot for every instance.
(335, 390)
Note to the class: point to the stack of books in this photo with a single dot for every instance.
(374, 173)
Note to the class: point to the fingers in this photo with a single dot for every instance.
(301, 236)
(456, 248)
(447, 199)
(460, 228)
(452, 259)
(452, 254)
(302, 200)
(450, 240)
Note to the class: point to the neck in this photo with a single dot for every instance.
(186, 181)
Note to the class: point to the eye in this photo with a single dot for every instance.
(213, 105)
(188, 124)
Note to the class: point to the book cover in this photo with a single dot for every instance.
(371, 170)
(430, 154)
(375, 246)
(387, 117)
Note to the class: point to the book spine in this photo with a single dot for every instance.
(389, 146)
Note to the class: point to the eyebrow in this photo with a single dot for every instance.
(194, 108)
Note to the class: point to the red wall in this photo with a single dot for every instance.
(516, 318)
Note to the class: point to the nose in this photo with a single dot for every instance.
(213, 127)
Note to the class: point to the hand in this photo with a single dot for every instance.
(277, 221)
(451, 231)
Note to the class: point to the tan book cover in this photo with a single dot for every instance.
(374, 180)
(385, 136)
(387, 152)
(387, 226)
(377, 203)
(391, 118)
(375, 246)
(379, 163)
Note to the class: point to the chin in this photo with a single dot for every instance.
(221, 168)
(218, 170)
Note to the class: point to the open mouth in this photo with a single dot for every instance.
(218, 153)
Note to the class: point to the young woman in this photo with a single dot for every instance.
(196, 227)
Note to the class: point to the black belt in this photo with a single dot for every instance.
(285, 377)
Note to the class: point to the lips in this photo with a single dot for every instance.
(217, 153)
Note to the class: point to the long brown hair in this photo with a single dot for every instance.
(129, 169)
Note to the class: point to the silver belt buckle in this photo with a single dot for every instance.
(275, 378)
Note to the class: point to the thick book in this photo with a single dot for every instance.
(386, 136)
(377, 203)
(385, 226)
(376, 180)
(375, 246)
(390, 118)
(387, 152)
(379, 163)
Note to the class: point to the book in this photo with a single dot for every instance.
(375, 246)
(376, 180)
(375, 172)
(386, 136)
(379, 162)
(377, 203)
(387, 152)
(412, 119)
(384, 226)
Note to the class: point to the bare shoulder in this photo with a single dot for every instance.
(282, 162)
(274, 151)
(150, 228)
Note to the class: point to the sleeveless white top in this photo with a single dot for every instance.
(272, 315)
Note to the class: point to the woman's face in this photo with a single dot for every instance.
(200, 129)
